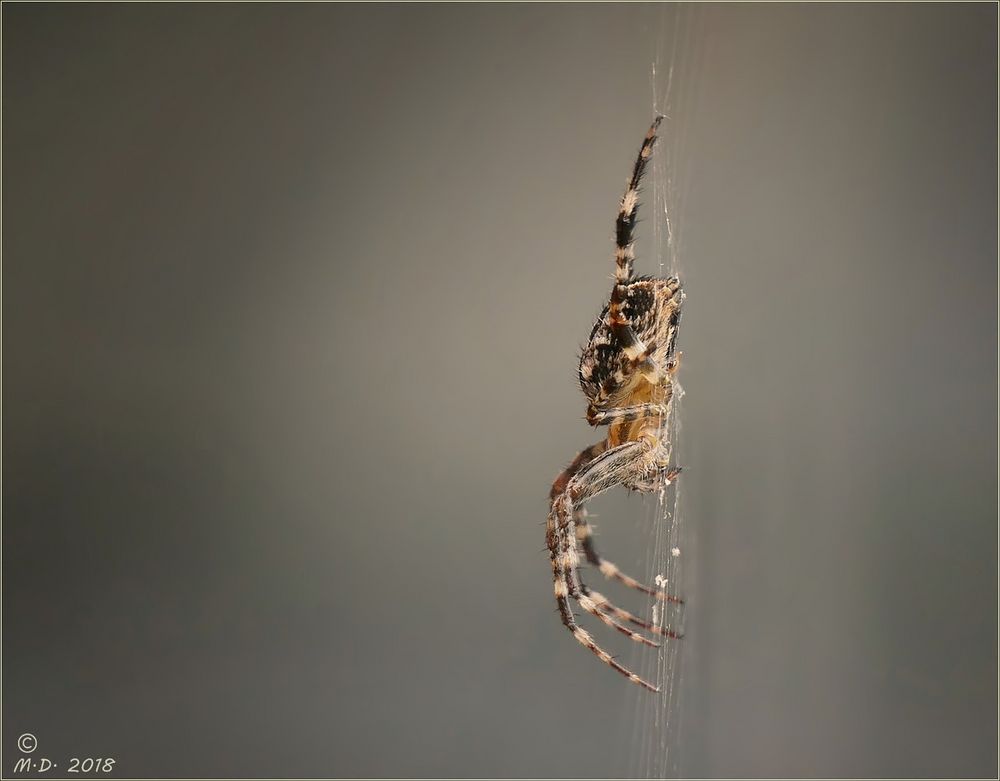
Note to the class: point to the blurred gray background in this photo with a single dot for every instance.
(292, 301)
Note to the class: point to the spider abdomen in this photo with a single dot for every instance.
(652, 308)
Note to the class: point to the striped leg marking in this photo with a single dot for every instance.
(560, 538)
(628, 211)
(584, 533)
(629, 208)
(624, 615)
(570, 567)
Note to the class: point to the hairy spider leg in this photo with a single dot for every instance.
(636, 351)
(605, 417)
(561, 540)
(565, 576)
(585, 456)
(584, 533)
(629, 207)
(605, 471)
(624, 615)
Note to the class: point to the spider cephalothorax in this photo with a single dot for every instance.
(626, 373)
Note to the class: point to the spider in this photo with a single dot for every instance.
(626, 373)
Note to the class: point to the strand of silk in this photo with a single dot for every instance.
(657, 722)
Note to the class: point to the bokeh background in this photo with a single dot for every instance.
(291, 305)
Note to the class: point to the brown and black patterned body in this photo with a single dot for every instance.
(608, 377)
(626, 373)
(652, 308)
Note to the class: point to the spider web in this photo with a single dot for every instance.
(657, 723)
